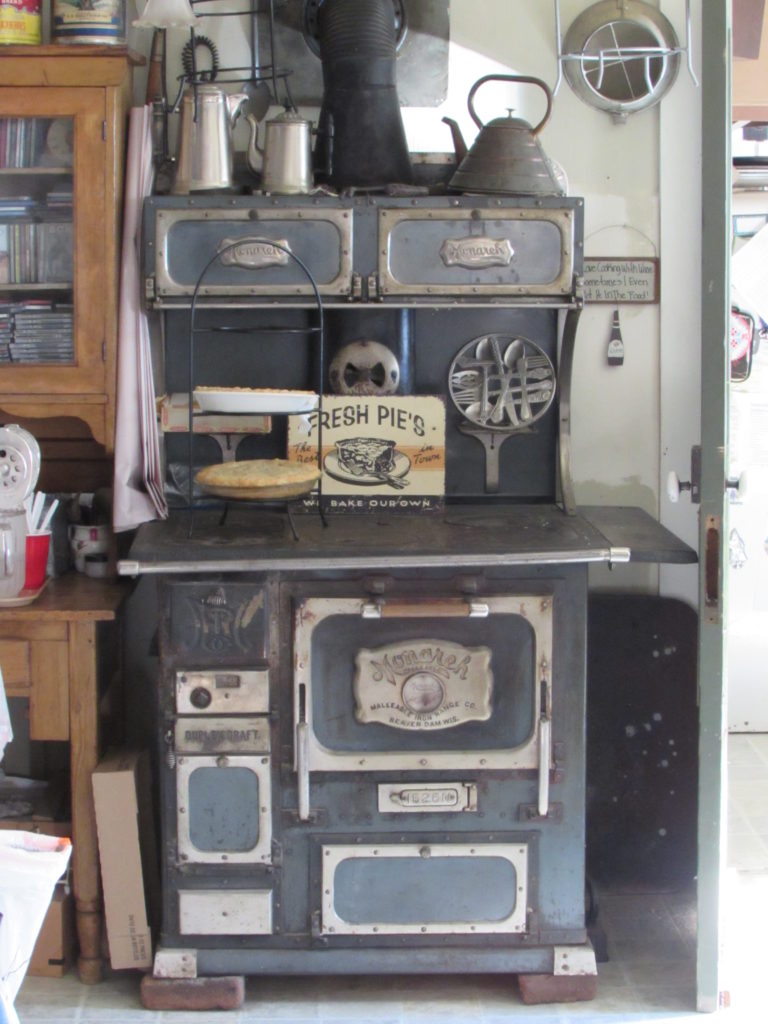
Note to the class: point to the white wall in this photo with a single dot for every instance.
(641, 185)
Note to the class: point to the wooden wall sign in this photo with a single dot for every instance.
(620, 279)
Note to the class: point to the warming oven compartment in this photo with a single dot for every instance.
(422, 684)
(186, 239)
(386, 889)
(476, 251)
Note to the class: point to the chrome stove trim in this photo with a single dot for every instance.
(134, 567)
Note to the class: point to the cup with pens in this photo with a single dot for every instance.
(38, 539)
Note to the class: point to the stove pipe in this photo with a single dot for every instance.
(360, 139)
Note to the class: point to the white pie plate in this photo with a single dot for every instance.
(254, 400)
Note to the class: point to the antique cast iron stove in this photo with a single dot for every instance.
(372, 725)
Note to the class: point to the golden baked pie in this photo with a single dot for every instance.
(258, 479)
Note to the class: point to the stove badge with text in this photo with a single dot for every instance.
(423, 685)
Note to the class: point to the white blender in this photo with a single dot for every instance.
(19, 470)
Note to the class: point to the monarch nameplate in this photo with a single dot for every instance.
(621, 280)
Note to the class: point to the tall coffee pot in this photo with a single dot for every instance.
(204, 156)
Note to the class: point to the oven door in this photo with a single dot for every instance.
(423, 684)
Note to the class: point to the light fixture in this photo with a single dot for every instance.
(167, 14)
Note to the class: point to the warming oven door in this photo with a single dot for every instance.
(419, 685)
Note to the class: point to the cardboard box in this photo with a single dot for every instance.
(55, 947)
(122, 795)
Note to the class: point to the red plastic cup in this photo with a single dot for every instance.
(37, 560)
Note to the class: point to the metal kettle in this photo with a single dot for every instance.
(204, 156)
(506, 156)
(286, 158)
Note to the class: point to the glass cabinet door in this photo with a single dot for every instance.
(56, 293)
(36, 240)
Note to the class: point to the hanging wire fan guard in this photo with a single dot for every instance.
(621, 56)
(502, 382)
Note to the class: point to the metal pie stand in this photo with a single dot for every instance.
(250, 494)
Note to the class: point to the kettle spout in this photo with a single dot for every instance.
(254, 150)
(234, 101)
(459, 145)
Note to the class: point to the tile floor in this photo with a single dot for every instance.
(650, 976)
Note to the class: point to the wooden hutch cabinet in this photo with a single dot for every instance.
(63, 112)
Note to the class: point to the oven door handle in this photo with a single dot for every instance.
(545, 749)
(545, 740)
(451, 607)
(302, 769)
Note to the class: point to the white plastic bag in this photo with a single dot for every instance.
(30, 866)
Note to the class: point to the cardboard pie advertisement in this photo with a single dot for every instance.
(378, 453)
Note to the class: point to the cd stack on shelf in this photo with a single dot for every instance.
(60, 198)
(22, 140)
(36, 332)
(5, 334)
(42, 334)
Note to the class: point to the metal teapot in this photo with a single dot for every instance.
(204, 157)
(286, 158)
(506, 156)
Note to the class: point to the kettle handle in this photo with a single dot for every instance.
(511, 78)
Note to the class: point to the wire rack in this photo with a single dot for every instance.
(254, 72)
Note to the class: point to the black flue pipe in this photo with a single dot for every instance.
(361, 139)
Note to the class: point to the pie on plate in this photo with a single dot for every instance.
(258, 479)
(255, 400)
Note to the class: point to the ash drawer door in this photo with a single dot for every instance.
(256, 249)
(475, 252)
(225, 912)
(424, 889)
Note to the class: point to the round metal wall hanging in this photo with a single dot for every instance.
(621, 56)
(364, 368)
(502, 382)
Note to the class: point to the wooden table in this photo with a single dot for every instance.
(55, 652)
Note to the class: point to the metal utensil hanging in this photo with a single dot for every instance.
(501, 384)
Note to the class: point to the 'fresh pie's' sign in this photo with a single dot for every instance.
(378, 453)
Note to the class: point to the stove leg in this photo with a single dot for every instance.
(550, 988)
(214, 993)
(574, 978)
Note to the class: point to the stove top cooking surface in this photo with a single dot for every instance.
(264, 540)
